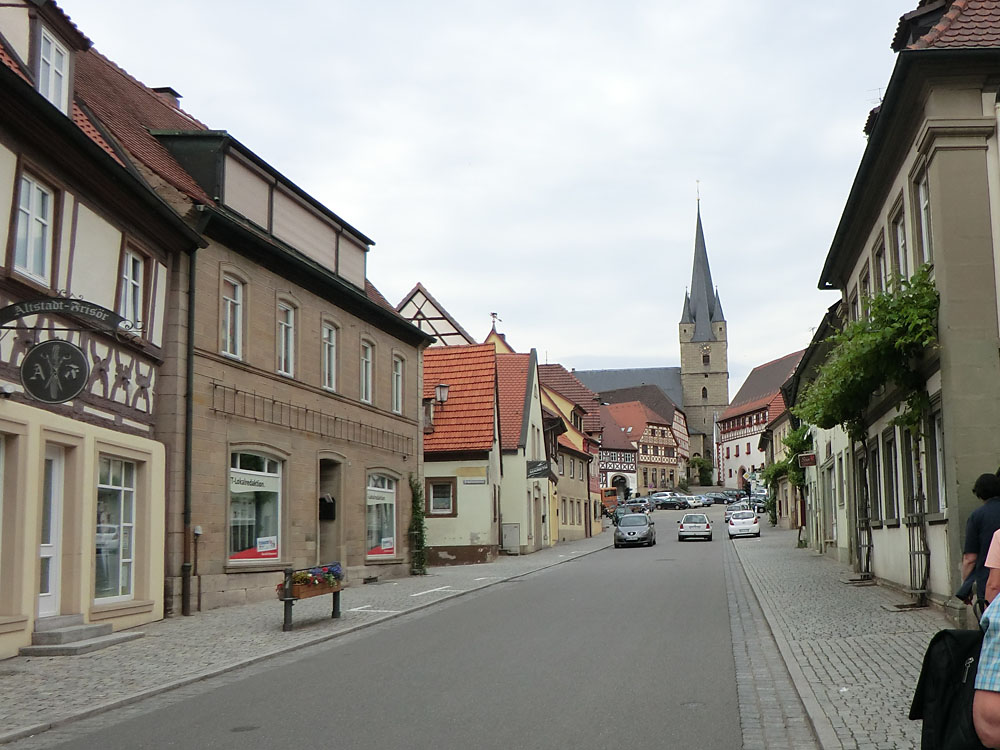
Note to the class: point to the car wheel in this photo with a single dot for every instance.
(617, 545)
(709, 537)
(758, 535)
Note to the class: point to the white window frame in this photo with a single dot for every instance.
(52, 73)
(367, 361)
(35, 226)
(924, 208)
(450, 509)
(899, 243)
(126, 525)
(329, 356)
(381, 490)
(131, 303)
(286, 338)
(232, 318)
(267, 480)
(397, 384)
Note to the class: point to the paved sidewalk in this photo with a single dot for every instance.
(40, 693)
(853, 658)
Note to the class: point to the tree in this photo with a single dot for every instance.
(704, 468)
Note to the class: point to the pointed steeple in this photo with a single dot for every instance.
(702, 303)
(686, 312)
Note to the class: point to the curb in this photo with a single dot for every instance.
(19, 734)
(826, 735)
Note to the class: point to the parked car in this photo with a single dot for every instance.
(637, 507)
(760, 505)
(743, 523)
(734, 508)
(671, 503)
(719, 497)
(695, 502)
(694, 526)
(706, 500)
(635, 528)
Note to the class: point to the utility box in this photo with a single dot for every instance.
(511, 538)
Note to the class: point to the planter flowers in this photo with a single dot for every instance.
(323, 579)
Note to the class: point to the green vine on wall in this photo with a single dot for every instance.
(418, 530)
(797, 441)
(882, 348)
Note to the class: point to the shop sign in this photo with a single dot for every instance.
(98, 316)
(54, 371)
(807, 459)
(241, 482)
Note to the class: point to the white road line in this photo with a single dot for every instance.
(431, 591)
(486, 578)
(367, 608)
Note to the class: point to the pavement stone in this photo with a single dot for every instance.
(854, 658)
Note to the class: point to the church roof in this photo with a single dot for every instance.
(667, 378)
(652, 396)
(701, 304)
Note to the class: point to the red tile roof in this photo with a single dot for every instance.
(966, 23)
(128, 109)
(561, 380)
(613, 437)
(376, 296)
(636, 415)
(466, 420)
(87, 126)
(512, 381)
(762, 384)
(8, 59)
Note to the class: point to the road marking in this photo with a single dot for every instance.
(365, 608)
(431, 591)
(486, 578)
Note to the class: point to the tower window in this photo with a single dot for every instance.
(706, 358)
(704, 394)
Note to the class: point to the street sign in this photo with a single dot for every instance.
(807, 459)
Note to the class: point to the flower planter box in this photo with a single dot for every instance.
(316, 587)
(306, 590)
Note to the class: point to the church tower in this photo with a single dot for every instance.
(704, 355)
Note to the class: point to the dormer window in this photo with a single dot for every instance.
(53, 72)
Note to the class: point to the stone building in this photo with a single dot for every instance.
(304, 382)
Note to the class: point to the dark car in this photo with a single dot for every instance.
(635, 528)
(719, 498)
(669, 502)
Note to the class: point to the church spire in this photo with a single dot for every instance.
(702, 304)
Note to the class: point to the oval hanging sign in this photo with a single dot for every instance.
(54, 371)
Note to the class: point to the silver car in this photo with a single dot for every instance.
(694, 526)
(635, 528)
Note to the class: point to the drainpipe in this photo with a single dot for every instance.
(188, 439)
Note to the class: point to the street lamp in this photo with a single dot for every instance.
(441, 393)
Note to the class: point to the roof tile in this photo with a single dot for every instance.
(466, 420)
(761, 384)
(561, 380)
(512, 383)
(966, 23)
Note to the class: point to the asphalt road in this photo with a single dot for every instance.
(622, 648)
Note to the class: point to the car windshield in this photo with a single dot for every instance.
(744, 514)
(636, 520)
(694, 518)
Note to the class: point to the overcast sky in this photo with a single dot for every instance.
(539, 159)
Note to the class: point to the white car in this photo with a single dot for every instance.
(730, 509)
(743, 523)
(694, 526)
(695, 501)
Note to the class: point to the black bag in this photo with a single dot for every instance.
(945, 690)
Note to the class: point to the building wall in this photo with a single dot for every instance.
(473, 535)
(573, 509)
(25, 434)
(327, 442)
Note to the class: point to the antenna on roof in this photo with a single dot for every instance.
(697, 191)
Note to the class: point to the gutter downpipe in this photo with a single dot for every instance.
(188, 439)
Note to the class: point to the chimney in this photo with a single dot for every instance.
(168, 95)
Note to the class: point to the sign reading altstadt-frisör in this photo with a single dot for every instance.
(54, 371)
(100, 317)
(807, 459)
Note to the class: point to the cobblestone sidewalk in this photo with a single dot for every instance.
(854, 658)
